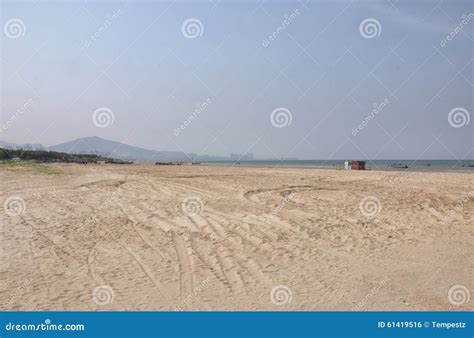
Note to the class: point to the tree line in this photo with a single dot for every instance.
(50, 156)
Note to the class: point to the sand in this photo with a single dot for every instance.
(145, 237)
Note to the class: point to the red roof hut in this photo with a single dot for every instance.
(358, 165)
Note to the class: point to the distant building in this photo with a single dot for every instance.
(241, 157)
(347, 165)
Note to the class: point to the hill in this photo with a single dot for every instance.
(114, 149)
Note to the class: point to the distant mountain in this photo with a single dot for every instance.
(113, 149)
(7, 145)
(27, 146)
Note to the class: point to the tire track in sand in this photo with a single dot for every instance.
(186, 264)
(144, 267)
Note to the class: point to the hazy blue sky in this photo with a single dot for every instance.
(64, 60)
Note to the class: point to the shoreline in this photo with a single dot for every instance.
(413, 169)
(432, 169)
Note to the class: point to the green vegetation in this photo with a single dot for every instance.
(49, 156)
(30, 166)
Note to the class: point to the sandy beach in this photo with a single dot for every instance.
(196, 237)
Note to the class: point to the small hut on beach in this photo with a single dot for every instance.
(354, 165)
(357, 165)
